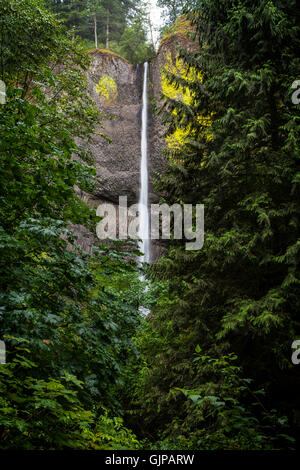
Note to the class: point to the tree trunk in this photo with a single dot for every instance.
(151, 32)
(107, 30)
(95, 31)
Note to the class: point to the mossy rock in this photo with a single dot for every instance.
(108, 53)
(182, 30)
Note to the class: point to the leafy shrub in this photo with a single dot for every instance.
(48, 414)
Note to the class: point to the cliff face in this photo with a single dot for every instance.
(116, 87)
(180, 36)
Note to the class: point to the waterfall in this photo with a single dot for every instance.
(144, 225)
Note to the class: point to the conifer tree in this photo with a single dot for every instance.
(241, 292)
(98, 21)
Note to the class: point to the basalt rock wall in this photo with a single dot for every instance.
(116, 87)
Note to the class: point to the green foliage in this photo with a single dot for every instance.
(68, 305)
(59, 418)
(173, 9)
(216, 415)
(60, 421)
(76, 344)
(133, 43)
(240, 293)
(119, 25)
(110, 434)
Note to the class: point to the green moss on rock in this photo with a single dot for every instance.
(107, 52)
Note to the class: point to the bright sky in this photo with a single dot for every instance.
(155, 15)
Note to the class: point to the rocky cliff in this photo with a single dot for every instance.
(116, 87)
(179, 36)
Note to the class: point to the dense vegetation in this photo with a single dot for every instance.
(117, 25)
(211, 368)
(215, 368)
(173, 9)
(66, 316)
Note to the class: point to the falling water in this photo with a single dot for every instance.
(144, 231)
(144, 226)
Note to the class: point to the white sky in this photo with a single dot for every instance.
(155, 15)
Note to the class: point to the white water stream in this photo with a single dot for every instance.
(144, 225)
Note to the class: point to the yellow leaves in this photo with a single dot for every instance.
(179, 69)
(177, 139)
(178, 92)
(107, 89)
